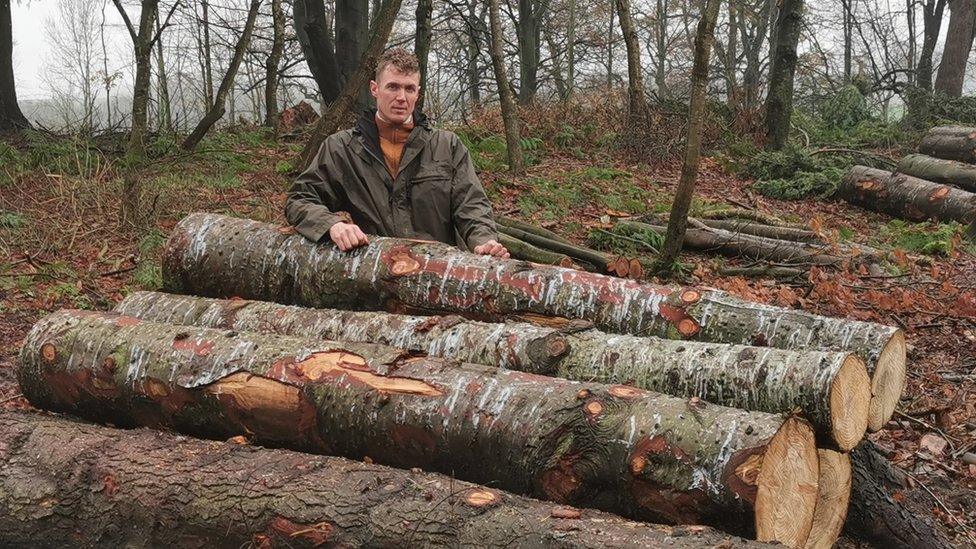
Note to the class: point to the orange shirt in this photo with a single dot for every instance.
(392, 140)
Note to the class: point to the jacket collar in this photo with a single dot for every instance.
(370, 135)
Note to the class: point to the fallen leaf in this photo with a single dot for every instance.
(933, 444)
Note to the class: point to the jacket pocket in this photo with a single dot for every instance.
(430, 197)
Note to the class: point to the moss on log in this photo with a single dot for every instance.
(217, 256)
(68, 483)
(906, 197)
(528, 252)
(832, 388)
(612, 447)
(950, 172)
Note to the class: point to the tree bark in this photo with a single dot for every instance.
(271, 112)
(216, 256)
(315, 37)
(220, 101)
(906, 197)
(616, 448)
(678, 221)
(11, 118)
(832, 388)
(932, 11)
(950, 172)
(527, 29)
(425, 9)
(602, 261)
(950, 143)
(958, 44)
(516, 163)
(779, 98)
(142, 42)
(165, 122)
(636, 100)
(876, 516)
(351, 36)
(130, 488)
(329, 122)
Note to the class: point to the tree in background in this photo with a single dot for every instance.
(516, 163)
(11, 118)
(779, 100)
(958, 45)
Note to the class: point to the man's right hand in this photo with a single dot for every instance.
(347, 236)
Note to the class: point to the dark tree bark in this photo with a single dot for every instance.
(510, 116)
(11, 118)
(142, 44)
(330, 120)
(612, 447)
(779, 99)
(271, 111)
(351, 36)
(476, 27)
(216, 256)
(636, 100)
(165, 110)
(425, 9)
(906, 197)
(220, 101)
(129, 488)
(528, 27)
(678, 220)
(932, 11)
(315, 38)
(958, 44)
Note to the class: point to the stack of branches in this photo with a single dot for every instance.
(655, 403)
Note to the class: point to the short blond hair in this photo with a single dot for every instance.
(401, 60)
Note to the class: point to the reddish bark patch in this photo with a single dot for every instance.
(690, 297)
(566, 513)
(123, 320)
(287, 229)
(739, 475)
(939, 194)
(313, 534)
(109, 485)
(482, 498)
(347, 368)
(593, 408)
(69, 386)
(415, 442)
(49, 352)
(654, 449)
(171, 398)
(663, 503)
(560, 482)
(196, 346)
(626, 392)
(678, 317)
(401, 261)
(688, 327)
(557, 347)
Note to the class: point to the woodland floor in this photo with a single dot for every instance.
(61, 246)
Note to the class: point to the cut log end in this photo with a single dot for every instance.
(850, 399)
(832, 500)
(887, 382)
(481, 498)
(786, 494)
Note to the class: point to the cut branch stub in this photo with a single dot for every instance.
(541, 438)
(832, 388)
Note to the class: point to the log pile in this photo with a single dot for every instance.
(676, 405)
(906, 197)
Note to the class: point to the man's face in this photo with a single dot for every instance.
(396, 94)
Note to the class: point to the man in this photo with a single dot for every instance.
(394, 175)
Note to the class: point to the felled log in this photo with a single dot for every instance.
(217, 256)
(884, 510)
(832, 388)
(66, 483)
(612, 447)
(720, 241)
(906, 197)
(950, 172)
(744, 226)
(528, 227)
(605, 263)
(528, 252)
(832, 499)
(950, 143)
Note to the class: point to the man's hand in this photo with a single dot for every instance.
(492, 248)
(347, 236)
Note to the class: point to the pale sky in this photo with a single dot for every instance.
(30, 46)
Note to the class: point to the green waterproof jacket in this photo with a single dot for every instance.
(435, 196)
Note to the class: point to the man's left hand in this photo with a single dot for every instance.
(492, 247)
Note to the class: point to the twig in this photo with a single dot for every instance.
(943, 506)
(14, 397)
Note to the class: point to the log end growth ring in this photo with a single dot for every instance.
(887, 381)
(786, 493)
(850, 400)
(832, 501)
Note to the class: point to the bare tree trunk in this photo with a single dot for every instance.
(958, 44)
(11, 118)
(516, 163)
(848, 39)
(106, 77)
(636, 101)
(271, 68)
(678, 220)
(208, 91)
(315, 37)
(527, 28)
(475, 25)
(351, 34)
(660, 42)
(425, 9)
(779, 100)
(911, 17)
(932, 12)
(217, 112)
(330, 120)
(571, 50)
(165, 110)
(610, 51)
